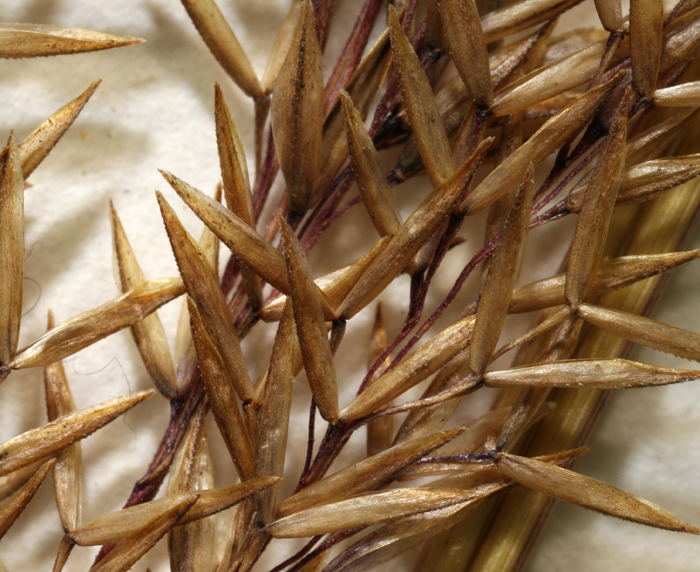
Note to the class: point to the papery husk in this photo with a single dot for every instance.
(594, 219)
(222, 397)
(39, 143)
(365, 475)
(425, 361)
(223, 44)
(13, 507)
(547, 139)
(36, 40)
(94, 325)
(273, 419)
(68, 471)
(411, 236)
(49, 439)
(297, 112)
(310, 326)
(588, 492)
(11, 249)
(646, 43)
(421, 106)
(149, 333)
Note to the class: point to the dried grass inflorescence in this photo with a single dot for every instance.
(478, 96)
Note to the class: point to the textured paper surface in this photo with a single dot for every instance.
(154, 109)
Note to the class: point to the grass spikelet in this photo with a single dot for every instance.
(36, 40)
(646, 43)
(223, 44)
(311, 327)
(503, 273)
(588, 492)
(148, 334)
(222, 396)
(502, 107)
(49, 439)
(13, 507)
(11, 249)
(594, 220)
(133, 547)
(297, 111)
(39, 143)
(420, 105)
(204, 291)
(68, 471)
(461, 26)
(89, 327)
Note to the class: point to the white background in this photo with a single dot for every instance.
(154, 109)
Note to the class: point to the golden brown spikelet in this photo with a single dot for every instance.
(11, 510)
(149, 333)
(588, 493)
(39, 143)
(420, 104)
(594, 220)
(297, 111)
(224, 45)
(85, 329)
(310, 327)
(576, 123)
(48, 440)
(36, 40)
(68, 471)
(11, 249)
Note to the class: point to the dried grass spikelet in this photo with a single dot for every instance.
(420, 105)
(594, 219)
(646, 43)
(148, 334)
(297, 112)
(35, 40)
(191, 547)
(235, 182)
(117, 526)
(461, 26)
(602, 374)
(365, 475)
(134, 546)
(220, 390)
(39, 143)
(209, 243)
(588, 492)
(10, 511)
(411, 236)
(273, 419)
(367, 510)
(11, 250)
(371, 181)
(68, 471)
(204, 291)
(548, 138)
(48, 440)
(224, 45)
(310, 326)
(644, 331)
(612, 274)
(251, 248)
(502, 276)
(422, 363)
(89, 327)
